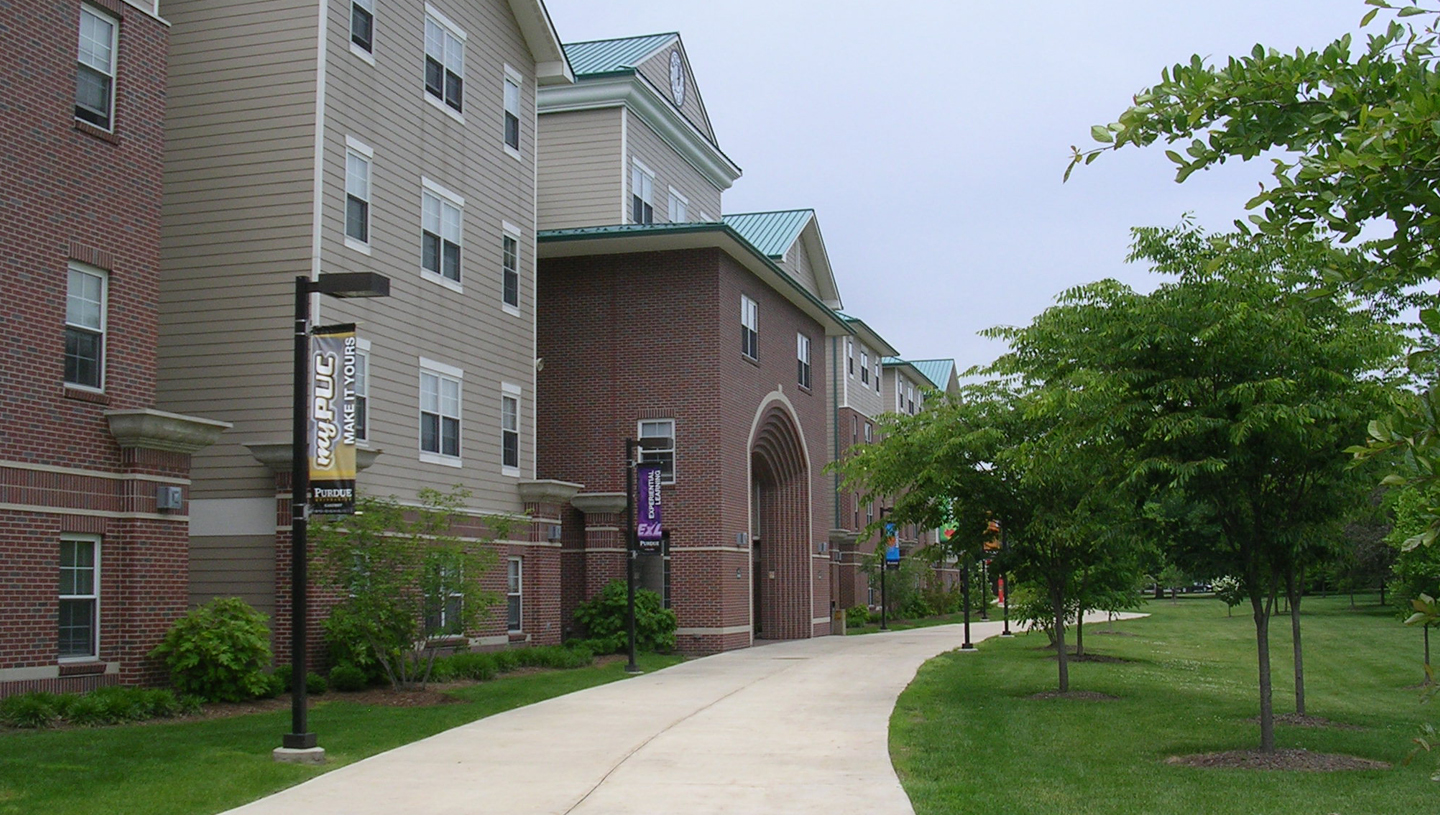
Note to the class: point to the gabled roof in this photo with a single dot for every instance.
(938, 371)
(775, 233)
(551, 67)
(868, 334)
(610, 56)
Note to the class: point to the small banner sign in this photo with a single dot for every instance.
(892, 551)
(647, 525)
(332, 420)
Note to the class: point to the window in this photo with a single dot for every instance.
(444, 597)
(869, 433)
(439, 412)
(362, 390)
(514, 593)
(85, 327)
(679, 207)
(362, 24)
(802, 354)
(854, 430)
(357, 194)
(864, 367)
(510, 429)
(95, 76)
(877, 374)
(910, 398)
(512, 109)
(441, 215)
(749, 328)
(661, 450)
(642, 195)
(79, 596)
(444, 61)
(850, 357)
(510, 269)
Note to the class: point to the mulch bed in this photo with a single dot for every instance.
(1080, 695)
(1296, 720)
(1294, 760)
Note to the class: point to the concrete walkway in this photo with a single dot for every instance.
(791, 727)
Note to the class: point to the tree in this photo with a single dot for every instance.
(1236, 388)
(407, 577)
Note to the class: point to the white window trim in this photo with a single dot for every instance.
(362, 346)
(458, 202)
(512, 231)
(674, 447)
(114, 61)
(637, 164)
(363, 150)
(519, 592)
(104, 321)
(431, 366)
(368, 56)
(514, 392)
(803, 343)
(850, 358)
(512, 75)
(96, 540)
(675, 195)
(864, 366)
(747, 300)
(459, 34)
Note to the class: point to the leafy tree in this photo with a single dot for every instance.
(1417, 570)
(1229, 591)
(407, 576)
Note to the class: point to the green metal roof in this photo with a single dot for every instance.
(935, 370)
(611, 56)
(773, 233)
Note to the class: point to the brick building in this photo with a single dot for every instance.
(94, 480)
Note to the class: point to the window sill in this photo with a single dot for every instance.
(750, 359)
(80, 666)
(511, 472)
(362, 248)
(99, 133)
(444, 108)
(442, 280)
(362, 53)
(446, 461)
(513, 311)
(86, 395)
(512, 152)
(804, 388)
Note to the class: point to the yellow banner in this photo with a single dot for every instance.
(332, 420)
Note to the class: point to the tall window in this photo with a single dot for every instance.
(440, 227)
(850, 357)
(642, 194)
(749, 328)
(79, 596)
(439, 412)
(362, 391)
(510, 429)
(362, 24)
(514, 594)
(869, 433)
(679, 207)
(357, 193)
(85, 327)
(510, 270)
(444, 599)
(864, 367)
(512, 109)
(910, 398)
(802, 355)
(877, 374)
(660, 433)
(444, 62)
(95, 77)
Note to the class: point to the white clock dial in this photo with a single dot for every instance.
(677, 78)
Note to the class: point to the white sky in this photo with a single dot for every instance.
(931, 136)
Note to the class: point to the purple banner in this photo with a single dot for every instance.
(647, 526)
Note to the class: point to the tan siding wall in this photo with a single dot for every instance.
(581, 180)
(797, 263)
(862, 396)
(657, 70)
(233, 566)
(239, 131)
(670, 171)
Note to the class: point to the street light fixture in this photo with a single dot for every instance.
(343, 285)
(632, 537)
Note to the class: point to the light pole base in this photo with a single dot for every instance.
(1007, 636)
(968, 649)
(299, 755)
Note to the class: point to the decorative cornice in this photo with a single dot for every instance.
(157, 430)
(548, 491)
(276, 455)
(599, 503)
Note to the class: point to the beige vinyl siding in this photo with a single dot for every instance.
(233, 566)
(581, 182)
(236, 222)
(857, 395)
(797, 263)
(670, 171)
(413, 139)
(657, 71)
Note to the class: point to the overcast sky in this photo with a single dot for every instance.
(931, 136)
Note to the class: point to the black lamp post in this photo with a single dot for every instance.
(965, 596)
(344, 285)
(1005, 595)
(884, 567)
(632, 539)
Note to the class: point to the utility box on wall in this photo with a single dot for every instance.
(168, 497)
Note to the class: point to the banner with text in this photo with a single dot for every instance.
(648, 519)
(332, 420)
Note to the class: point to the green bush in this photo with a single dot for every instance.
(603, 617)
(857, 616)
(347, 642)
(89, 711)
(38, 709)
(485, 665)
(475, 665)
(314, 683)
(347, 678)
(217, 651)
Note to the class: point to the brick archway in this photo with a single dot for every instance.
(780, 524)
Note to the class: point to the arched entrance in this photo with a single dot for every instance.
(780, 527)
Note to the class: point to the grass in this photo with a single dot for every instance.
(920, 622)
(190, 768)
(965, 738)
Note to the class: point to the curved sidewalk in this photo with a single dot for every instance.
(790, 727)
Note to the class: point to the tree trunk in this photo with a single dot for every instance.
(1292, 589)
(1426, 629)
(1159, 591)
(1382, 591)
(1057, 604)
(1080, 633)
(1258, 605)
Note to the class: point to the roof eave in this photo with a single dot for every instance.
(873, 339)
(551, 66)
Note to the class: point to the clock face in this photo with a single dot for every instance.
(677, 78)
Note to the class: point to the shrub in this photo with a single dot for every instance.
(485, 665)
(37, 709)
(217, 650)
(314, 683)
(347, 678)
(857, 616)
(603, 617)
(347, 642)
(89, 710)
(478, 666)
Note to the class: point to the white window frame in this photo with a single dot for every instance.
(359, 49)
(656, 456)
(107, 70)
(93, 597)
(510, 394)
(442, 203)
(679, 207)
(802, 356)
(642, 189)
(864, 366)
(442, 373)
(749, 328)
(511, 232)
(877, 373)
(358, 155)
(451, 61)
(515, 594)
(869, 433)
(101, 327)
(850, 357)
(510, 106)
(362, 391)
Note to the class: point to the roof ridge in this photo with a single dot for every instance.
(622, 39)
(769, 212)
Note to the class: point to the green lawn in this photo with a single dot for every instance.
(965, 738)
(193, 768)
